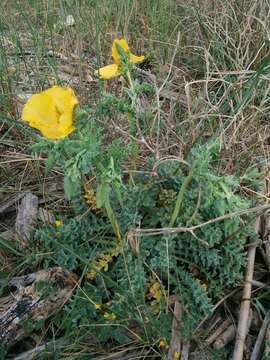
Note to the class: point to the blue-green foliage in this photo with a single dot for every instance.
(215, 250)
(197, 265)
(70, 245)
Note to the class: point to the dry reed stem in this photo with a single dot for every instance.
(257, 350)
(176, 341)
(245, 307)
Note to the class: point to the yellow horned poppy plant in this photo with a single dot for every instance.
(51, 111)
(114, 70)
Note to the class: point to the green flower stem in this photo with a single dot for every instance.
(180, 195)
(130, 81)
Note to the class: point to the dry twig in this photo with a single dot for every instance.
(191, 229)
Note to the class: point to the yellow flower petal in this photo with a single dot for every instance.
(54, 133)
(64, 98)
(51, 111)
(116, 56)
(40, 111)
(108, 72)
(135, 59)
(114, 70)
(115, 53)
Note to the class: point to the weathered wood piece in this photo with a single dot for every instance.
(6, 205)
(26, 217)
(36, 297)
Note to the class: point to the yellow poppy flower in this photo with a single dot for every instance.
(114, 70)
(51, 111)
